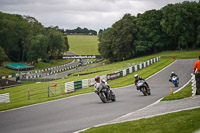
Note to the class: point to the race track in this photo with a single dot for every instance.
(79, 112)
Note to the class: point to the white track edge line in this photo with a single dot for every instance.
(150, 116)
(141, 108)
(149, 76)
(46, 102)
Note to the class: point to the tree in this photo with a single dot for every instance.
(150, 37)
(66, 43)
(38, 49)
(3, 56)
(179, 22)
(79, 30)
(116, 43)
(56, 42)
(105, 43)
(198, 27)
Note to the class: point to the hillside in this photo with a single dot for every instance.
(83, 44)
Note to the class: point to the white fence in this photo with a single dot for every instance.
(4, 98)
(74, 85)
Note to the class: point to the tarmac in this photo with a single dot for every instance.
(159, 108)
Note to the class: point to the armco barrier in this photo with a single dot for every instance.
(69, 87)
(77, 85)
(85, 83)
(4, 98)
(72, 86)
(197, 78)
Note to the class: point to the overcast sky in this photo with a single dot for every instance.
(91, 14)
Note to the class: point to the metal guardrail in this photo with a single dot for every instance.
(74, 85)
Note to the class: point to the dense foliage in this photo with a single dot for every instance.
(23, 38)
(81, 31)
(175, 26)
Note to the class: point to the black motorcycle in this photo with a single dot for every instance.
(105, 94)
(141, 85)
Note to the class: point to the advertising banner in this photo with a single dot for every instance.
(112, 76)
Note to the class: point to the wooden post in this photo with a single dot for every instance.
(48, 90)
(28, 94)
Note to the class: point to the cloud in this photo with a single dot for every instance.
(70, 14)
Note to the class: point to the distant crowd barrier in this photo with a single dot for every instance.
(44, 72)
(75, 85)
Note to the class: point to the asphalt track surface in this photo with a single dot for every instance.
(83, 111)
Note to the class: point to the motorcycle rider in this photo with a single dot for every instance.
(137, 78)
(173, 74)
(100, 83)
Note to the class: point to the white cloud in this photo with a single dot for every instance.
(92, 14)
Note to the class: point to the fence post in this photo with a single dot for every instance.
(28, 94)
(48, 90)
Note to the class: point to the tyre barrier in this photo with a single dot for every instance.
(197, 78)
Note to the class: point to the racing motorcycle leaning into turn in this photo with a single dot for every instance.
(141, 85)
(102, 89)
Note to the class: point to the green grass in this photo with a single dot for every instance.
(185, 92)
(179, 122)
(19, 94)
(83, 44)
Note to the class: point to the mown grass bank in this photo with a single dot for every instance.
(179, 122)
(83, 44)
(185, 92)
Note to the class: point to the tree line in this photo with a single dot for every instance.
(81, 31)
(175, 26)
(23, 38)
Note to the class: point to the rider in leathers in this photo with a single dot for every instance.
(137, 78)
(173, 74)
(99, 84)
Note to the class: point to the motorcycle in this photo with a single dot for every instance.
(143, 88)
(105, 94)
(175, 81)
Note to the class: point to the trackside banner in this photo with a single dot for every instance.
(77, 57)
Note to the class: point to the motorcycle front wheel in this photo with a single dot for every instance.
(144, 91)
(102, 96)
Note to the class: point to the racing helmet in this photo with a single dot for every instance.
(136, 76)
(97, 79)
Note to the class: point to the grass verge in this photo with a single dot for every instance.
(185, 92)
(179, 122)
(83, 44)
